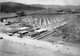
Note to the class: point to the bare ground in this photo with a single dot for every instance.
(8, 48)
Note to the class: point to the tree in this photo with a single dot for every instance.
(21, 13)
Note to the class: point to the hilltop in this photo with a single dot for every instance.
(14, 7)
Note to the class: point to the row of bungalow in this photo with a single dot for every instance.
(44, 21)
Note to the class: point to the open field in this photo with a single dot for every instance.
(8, 48)
(19, 48)
(63, 23)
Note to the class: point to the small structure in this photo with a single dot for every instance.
(41, 30)
(23, 28)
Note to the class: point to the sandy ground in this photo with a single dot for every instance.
(8, 48)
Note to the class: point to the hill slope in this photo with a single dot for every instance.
(14, 7)
(57, 6)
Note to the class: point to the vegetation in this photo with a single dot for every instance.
(71, 32)
(14, 7)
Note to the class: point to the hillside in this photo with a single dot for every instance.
(14, 7)
(57, 6)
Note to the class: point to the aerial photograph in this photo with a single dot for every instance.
(39, 27)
